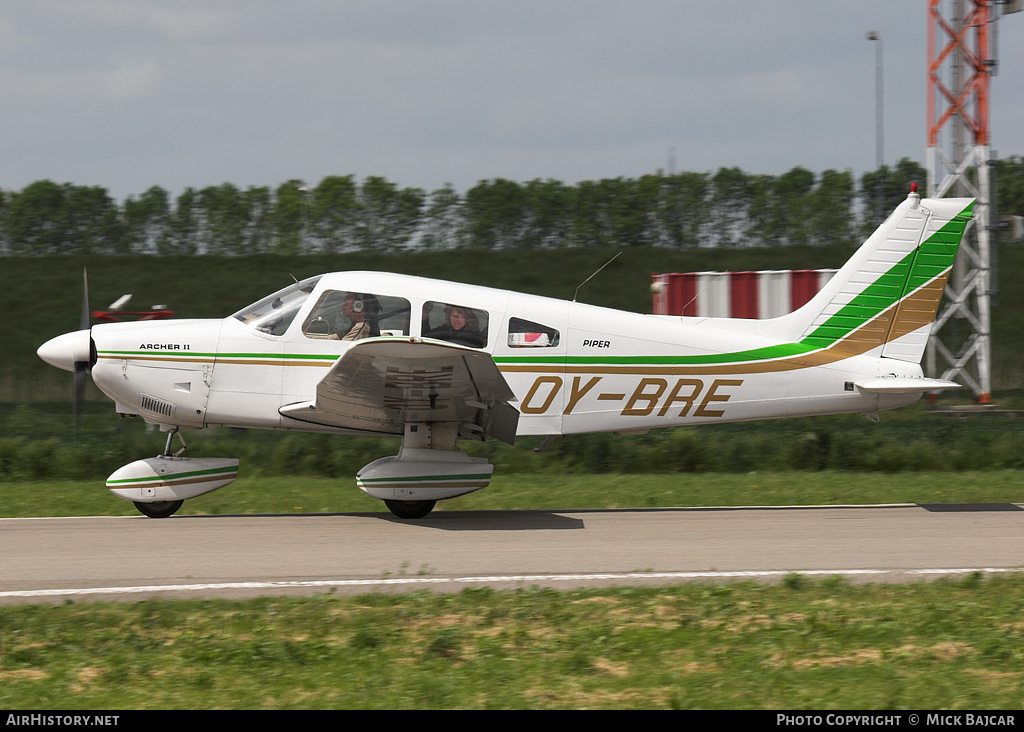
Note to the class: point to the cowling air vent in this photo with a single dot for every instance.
(157, 406)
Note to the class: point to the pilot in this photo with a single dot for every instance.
(460, 326)
(362, 311)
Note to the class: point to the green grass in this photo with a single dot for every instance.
(311, 494)
(799, 644)
(911, 456)
(38, 442)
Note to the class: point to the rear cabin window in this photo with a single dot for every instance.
(455, 324)
(352, 316)
(527, 334)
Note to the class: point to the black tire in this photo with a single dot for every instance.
(158, 509)
(410, 509)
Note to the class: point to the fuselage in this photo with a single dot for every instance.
(573, 367)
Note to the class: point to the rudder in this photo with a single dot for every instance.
(926, 281)
(886, 296)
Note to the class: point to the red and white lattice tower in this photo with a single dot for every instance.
(960, 66)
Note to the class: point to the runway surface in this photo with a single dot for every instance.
(128, 558)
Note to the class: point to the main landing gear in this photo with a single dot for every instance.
(410, 509)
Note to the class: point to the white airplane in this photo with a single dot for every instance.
(438, 362)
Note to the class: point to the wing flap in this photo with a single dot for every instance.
(379, 385)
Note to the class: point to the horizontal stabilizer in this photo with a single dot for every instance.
(903, 385)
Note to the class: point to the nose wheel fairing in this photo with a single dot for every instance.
(169, 478)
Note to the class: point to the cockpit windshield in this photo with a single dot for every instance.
(273, 314)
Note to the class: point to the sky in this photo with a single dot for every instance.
(128, 94)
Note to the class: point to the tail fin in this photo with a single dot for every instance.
(886, 296)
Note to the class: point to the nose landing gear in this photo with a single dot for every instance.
(158, 486)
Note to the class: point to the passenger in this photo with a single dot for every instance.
(361, 311)
(461, 326)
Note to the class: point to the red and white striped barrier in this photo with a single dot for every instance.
(763, 294)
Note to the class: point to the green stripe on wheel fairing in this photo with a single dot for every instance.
(176, 476)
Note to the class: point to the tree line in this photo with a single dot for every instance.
(728, 207)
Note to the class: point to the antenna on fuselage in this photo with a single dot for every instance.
(703, 290)
(593, 276)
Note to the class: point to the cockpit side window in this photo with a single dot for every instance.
(455, 324)
(351, 316)
(527, 334)
(273, 314)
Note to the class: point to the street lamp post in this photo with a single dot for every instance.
(879, 154)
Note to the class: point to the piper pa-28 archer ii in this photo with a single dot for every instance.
(437, 362)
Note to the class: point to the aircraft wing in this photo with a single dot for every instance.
(380, 384)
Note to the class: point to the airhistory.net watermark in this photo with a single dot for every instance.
(61, 720)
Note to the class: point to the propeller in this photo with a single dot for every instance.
(74, 352)
(82, 368)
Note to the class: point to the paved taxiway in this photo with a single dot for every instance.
(54, 559)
